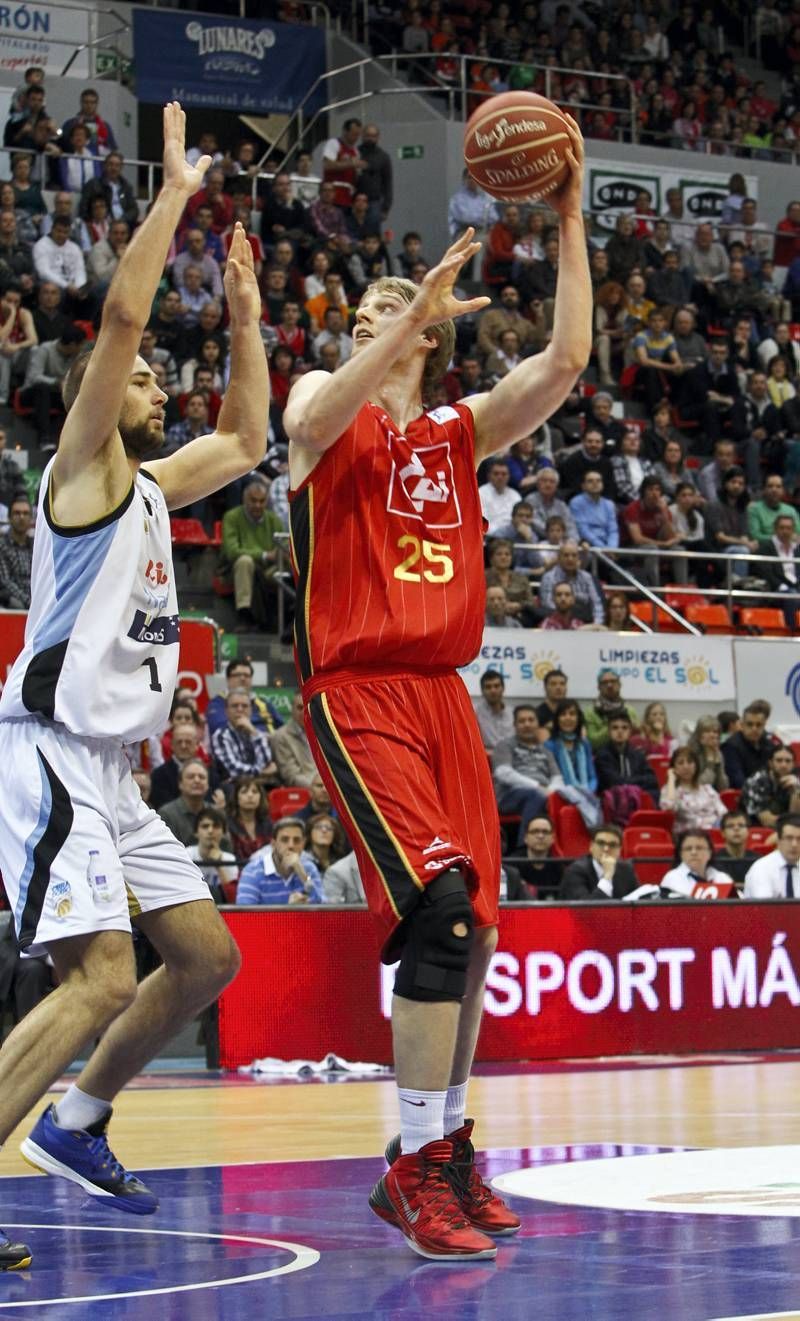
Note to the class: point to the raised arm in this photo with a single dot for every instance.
(90, 436)
(531, 393)
(240, 440)
(322, 406)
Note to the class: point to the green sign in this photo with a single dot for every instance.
(411, 153)
(281, 698)
(108, 61)
(229, 646)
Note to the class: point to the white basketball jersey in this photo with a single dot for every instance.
(101, 642)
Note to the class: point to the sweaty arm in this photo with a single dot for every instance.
(240, 440)
(536, 387)
(91, 474)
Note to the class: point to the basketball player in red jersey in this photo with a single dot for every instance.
(387, 542)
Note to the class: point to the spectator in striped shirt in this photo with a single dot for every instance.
(282, 873)
(238, 747)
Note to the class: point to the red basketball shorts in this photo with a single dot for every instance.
(402, 758)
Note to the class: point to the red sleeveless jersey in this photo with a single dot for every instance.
(387, 547)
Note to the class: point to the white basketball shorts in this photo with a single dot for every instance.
(79, 850)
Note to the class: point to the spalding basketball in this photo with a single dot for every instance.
(515, 147)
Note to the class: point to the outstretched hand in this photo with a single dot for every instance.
(568, 199)
(241, 285)
(436, 300)
(178, 173)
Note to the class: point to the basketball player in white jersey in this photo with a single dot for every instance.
(80, 853)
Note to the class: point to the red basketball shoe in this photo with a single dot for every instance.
(415, 1196)
(483, 1208)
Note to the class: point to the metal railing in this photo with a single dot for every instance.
(458, 95)
(618, 578)
(41, 160)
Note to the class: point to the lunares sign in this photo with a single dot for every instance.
(214, 39)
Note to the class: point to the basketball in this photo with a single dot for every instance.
(515, 147)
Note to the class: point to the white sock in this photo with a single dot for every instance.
(421, 1118)
(77, 1109)
(454, 1107)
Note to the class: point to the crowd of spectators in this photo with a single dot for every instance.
(685, 433)
(239, 788)
(729, 777)
(691, 441)
(691, 92)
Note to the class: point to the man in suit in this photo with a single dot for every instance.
(777, 875)
(599, 874)
(783, 574)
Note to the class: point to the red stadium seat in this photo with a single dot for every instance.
(717, 839)
(229, 889)
(635, 838)
(652, 862)
(664, 622)
(285, 802)
(759, 839)
(572, 836)
(189, 532)
(710, 618)
(659, 766)
(680, 601)
(730, 798)
(762, 619)
(661, 820)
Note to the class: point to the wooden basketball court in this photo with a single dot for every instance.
(263, 1188)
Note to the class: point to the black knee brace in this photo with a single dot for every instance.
(434, 961)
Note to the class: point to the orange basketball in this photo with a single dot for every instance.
(515, 147)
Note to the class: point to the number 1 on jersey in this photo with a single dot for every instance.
(432, 553)
(155, 686)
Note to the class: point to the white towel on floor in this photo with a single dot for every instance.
(330, 1063)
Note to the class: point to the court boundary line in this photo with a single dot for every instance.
(303, 1259)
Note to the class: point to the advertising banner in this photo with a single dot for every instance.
(224, 62)
(771, 671)
(43, 34)
(574, 980)
(653, 667)
(611, 187)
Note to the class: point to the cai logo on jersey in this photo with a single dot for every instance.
(422, 484)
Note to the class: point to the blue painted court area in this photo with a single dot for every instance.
(297, 1241)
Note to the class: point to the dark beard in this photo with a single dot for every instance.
(140, 442)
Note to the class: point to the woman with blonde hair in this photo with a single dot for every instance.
(654, 737)
(705, 744)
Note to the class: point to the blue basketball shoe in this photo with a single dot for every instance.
(84, 1156)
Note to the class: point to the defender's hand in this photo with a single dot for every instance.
(178, 173)
(241, 286)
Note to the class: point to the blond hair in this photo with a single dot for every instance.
(444, 332)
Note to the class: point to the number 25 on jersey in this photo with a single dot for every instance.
(423, 559)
